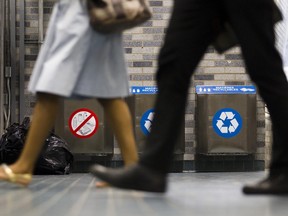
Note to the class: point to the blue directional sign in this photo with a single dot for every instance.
(143, 89)
(146, 121)
(227, 122)
(239, 89)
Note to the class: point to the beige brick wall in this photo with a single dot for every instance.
(142, 45)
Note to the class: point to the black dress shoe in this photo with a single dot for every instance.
(277, 185)
(135, 177)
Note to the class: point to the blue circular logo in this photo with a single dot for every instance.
(146, 121)
(227, 122)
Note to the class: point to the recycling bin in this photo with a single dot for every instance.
(83, 125)
(226, 120)
(141, 105)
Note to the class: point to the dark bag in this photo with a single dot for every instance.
(108, 16)
(55, 157)
(12, 142)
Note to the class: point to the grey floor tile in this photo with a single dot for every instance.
(193, 194)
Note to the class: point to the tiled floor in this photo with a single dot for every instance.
(193, 194)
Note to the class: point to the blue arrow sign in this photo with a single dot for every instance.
(206, 89)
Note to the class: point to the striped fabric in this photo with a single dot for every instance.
(282, 33)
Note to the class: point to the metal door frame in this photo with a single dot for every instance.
(2, 44)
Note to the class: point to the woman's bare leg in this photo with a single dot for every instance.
(120, 120)
(119, 117)
(44, 115)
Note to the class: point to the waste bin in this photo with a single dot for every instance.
(82, 124)
(225, 121)
(141, 104)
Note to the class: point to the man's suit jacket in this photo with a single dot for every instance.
(226, 38)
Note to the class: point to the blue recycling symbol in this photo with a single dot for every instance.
(146, 121)
(227, 122)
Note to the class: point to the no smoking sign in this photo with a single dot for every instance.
(83, 123)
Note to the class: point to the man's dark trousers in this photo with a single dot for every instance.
(191, 31)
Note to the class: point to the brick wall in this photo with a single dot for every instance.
(32, 44)
(142, 45)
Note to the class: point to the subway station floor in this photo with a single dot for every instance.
(193, 194)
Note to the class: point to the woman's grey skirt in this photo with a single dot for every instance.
(77, 61)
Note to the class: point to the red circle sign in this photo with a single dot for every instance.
(83, 123)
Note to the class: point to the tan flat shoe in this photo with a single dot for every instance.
(19, 179)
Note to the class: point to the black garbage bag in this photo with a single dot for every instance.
(12, 142)
(55, 157)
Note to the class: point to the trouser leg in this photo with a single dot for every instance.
(254, 29)
(187, 38)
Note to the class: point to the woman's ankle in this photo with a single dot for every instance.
(21, 169)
